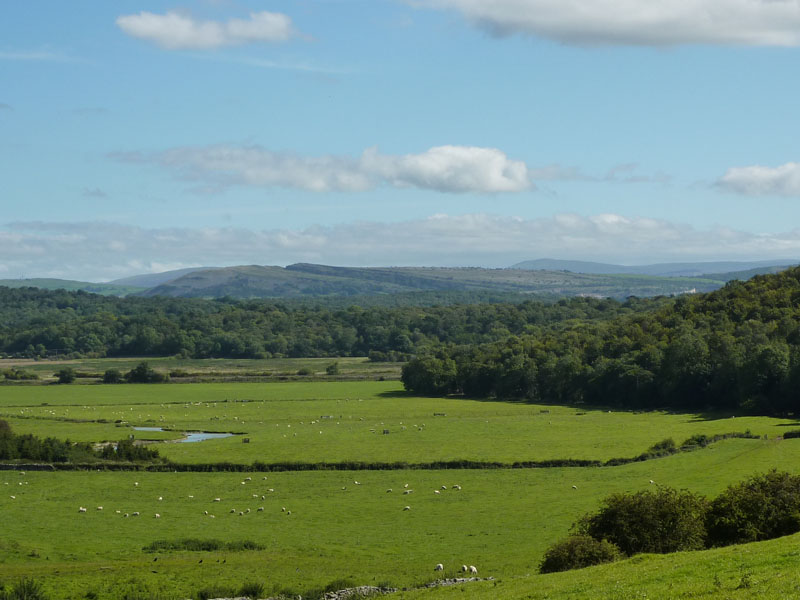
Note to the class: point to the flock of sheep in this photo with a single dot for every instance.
(471, 569)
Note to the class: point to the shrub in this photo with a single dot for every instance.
(760, 508)
(332, 369)
(66, 375)
(305, 371)
(112, 376)
(26, 589)
(577, 552)
(253, 589)
(664, 520)
(144, 373)
(794, 433)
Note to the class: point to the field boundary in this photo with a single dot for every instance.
(261, 467)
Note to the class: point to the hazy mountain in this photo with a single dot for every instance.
(149, 280)
(106, 289)
(308, 280)
(661, 269)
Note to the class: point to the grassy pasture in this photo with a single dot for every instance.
(501, 520)
(283, 422)
(349, 367)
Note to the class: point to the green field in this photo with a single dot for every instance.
(211, 368)
(501, 520)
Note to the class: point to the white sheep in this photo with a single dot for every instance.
(217, 499)
(464, 568)
(439, 567)
(436, 492)
(136, 514)
(473, 570)
(407, 508)
(389, 491)
(81, 509)
(99, 508)
(157, 516)
(260, 509)
(233, 510)
(574, 487)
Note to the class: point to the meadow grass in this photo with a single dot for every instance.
(284, 422)
(349, 367)
(501, 520)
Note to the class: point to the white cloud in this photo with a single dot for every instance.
(441, 168)
(177, 31)
(763, 181)
(637, 22)
(104, 251)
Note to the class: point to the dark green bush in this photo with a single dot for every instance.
(112, 376)
(144, 373)
(305, 371)
(577, 552)
(66, 375)
(760, 508)
(663, 520)
(332, 369)
(794, 433)
(217, 591)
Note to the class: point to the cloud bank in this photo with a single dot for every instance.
(763, 181)
(637, 22)
(177, 31)
(441, 168)
(104, 251)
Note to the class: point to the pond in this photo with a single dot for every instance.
(191, 436)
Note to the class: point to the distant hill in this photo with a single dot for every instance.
(309, 280)
(662, 269)
(106, 289)
(149, 280)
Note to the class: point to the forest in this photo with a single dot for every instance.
(737, 348)
(41, 323)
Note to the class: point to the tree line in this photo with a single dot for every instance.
(39, 323)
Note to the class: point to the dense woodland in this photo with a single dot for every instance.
(737, 348)
(36, 322)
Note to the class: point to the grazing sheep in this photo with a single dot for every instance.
(217, 499)
(205, 512)
(135, 483)
(264, 478)
(211, 517)
(651, 481)
(255, 495)
(439, 567)
(456, 487)
(80, 508)
(241, 514)
(157, 516)
(436, 492)
(405, 486)
(473, 570)
(283, 509)
(407, 508)
(136, 514)
(574, 487)
(464, 568)
(248, 479)
(160, 498)
(263, 497)
(260, 509)
(247, 511)
(99, 508)
(444, 487)
(126, 515)
(408, 492)
(270, 490)
(356, 483)
(389, 491)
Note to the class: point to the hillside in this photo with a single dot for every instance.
(724, 270)
(149, 280)
(305, 280)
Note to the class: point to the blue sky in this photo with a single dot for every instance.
(144, 136)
